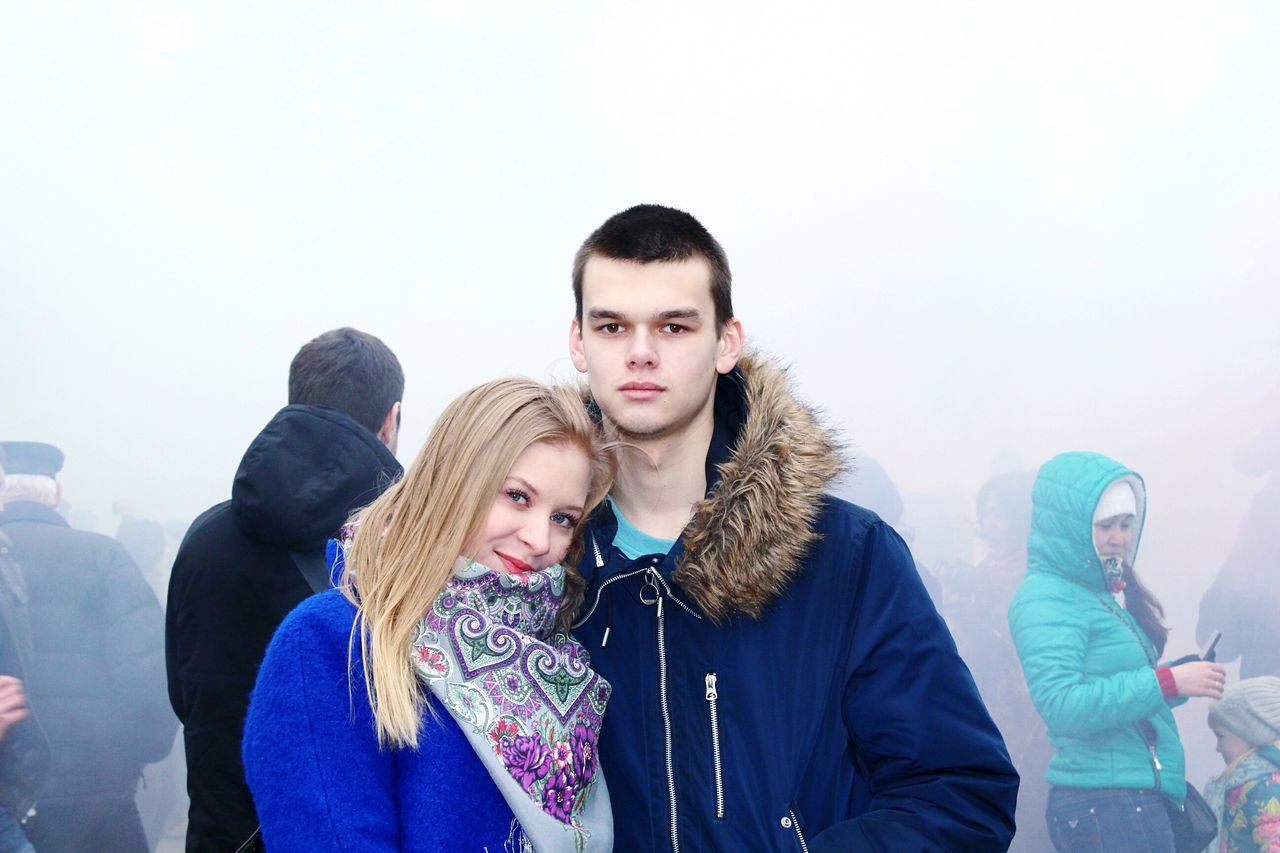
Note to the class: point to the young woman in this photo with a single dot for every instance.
(1246, 795)
(1089, 636)
(431, 701)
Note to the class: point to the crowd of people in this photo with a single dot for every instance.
(625, 616)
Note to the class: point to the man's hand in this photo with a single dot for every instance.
(1199, 678)
(13, 703)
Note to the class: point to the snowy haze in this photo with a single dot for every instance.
(979, 233)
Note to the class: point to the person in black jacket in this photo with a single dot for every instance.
(24, 752)
(247, 562)
(96, 679)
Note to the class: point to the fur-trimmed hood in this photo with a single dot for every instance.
(768, 466)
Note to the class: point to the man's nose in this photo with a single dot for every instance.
(640, 351)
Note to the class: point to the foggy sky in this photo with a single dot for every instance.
(981, 234)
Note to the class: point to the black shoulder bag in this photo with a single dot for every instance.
(1194, 823)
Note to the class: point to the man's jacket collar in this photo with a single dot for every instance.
(768, 464)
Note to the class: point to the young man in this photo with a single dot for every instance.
(245, 563)
(781, 678)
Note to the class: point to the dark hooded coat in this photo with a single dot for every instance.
(781, 679)
(235, 578)
(95, 680)
(24, 753)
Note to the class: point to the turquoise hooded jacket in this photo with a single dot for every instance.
(1090, 668)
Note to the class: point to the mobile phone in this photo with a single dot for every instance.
(1210, 654)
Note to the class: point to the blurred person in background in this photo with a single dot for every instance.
(1244, 599)
(978, 599)
(1089, 635)
(24, 752)
(245, 563)
(869, 485)
(161, 782)
(96, 680)
(1246, 795)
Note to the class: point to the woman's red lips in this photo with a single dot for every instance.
(512, 564)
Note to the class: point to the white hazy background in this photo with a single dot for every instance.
(980, 233)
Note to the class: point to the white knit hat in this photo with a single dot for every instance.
(1251, 710)
(1118, 499)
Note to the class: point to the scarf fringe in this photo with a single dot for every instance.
(517, 841)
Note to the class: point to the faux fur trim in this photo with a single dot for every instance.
(748, 539)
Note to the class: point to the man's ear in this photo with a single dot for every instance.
(576, 351)
(730, 345)
(389, 433)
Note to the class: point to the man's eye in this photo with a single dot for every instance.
(517, 496)
(564, 519)
(611, 328)
(674, 328)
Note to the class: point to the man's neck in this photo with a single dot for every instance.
(660, 479)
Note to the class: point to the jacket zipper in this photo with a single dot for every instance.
(601, 589)
(1155, 764)
(794, 823)
(666, 712)
(713, 696)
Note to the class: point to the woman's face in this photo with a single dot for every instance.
(1111, 536)
(532, 518)
(1230, 745)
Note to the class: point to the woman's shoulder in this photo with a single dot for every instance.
(320, 621)
(1046, 589)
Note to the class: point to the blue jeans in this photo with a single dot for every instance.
(12, 838)
(1108, 820)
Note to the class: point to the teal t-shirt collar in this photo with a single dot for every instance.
(633, 542)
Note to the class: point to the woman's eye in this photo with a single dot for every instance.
(564, 519)
(517, 496)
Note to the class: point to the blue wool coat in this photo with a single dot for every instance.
(320, 782)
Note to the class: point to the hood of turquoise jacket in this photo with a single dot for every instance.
(1067, 490)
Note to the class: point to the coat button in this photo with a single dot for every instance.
(786, 823)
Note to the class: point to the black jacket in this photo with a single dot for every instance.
(24, 753)
(96, 680)
(235, 579)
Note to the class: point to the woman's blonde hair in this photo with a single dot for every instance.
(406, 541)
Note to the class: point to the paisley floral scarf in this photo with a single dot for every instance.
(523, 692)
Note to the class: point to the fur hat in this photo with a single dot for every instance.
(1250, 709)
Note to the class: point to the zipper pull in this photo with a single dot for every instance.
(659, 606)
(1155, 759)
(712, 695)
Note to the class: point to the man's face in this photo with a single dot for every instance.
(648, 343)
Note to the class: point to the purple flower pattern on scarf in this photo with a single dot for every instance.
(528, 759)
(584, 753)
(558, 798)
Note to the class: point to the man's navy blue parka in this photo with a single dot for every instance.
(781, 679)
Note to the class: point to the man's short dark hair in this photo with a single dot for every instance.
(651, 233)
(347, 370)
